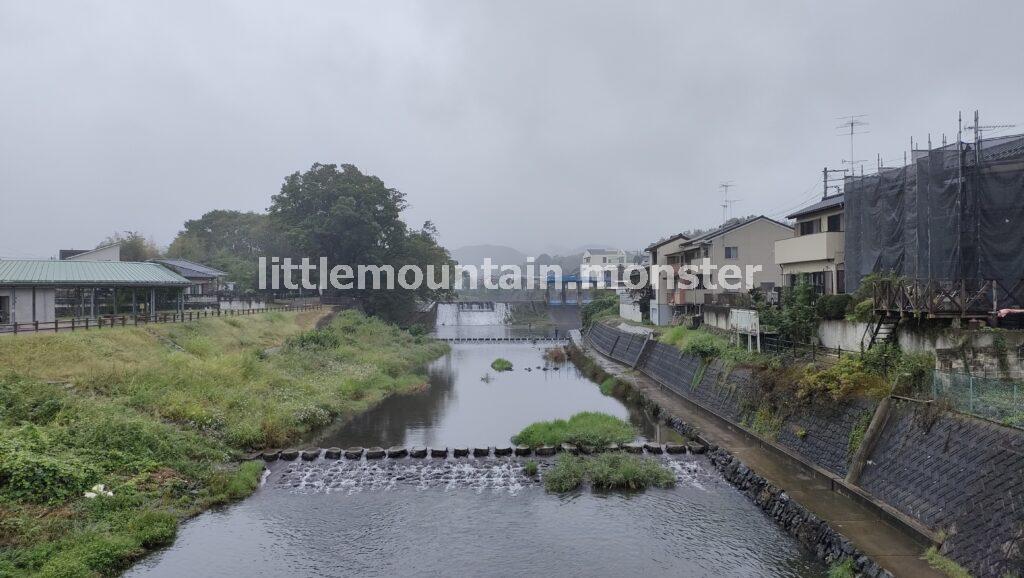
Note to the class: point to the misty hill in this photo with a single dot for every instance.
(499, 255)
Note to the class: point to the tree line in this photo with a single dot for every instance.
(330, 210)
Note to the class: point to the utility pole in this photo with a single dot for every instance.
(826, 179)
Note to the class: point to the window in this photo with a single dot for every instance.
(705, 251)
(810, 227)
(835, 223)
(732, 252)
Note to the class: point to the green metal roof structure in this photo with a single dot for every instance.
(87, 273)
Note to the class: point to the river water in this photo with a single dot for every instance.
(470, 517)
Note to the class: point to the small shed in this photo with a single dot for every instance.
(45, 290)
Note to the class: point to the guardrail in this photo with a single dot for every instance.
(110, 321)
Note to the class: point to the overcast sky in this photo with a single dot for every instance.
(533, 124)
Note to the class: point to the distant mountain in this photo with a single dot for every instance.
(499, 254)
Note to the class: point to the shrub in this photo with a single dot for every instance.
(605, 304)
(530, 468)
(765, 422)
(153, 528)
(619, 471)
(846, 377)
(608, 386)
(589, 429)
(703, 345)
(555, 355)
(34, 475)
(842, 569)
(833, 306)
(316, 339)
(501, 364)
(230, 485)
(857, 433)
(863, 311)
(610, 471)
(566, 475)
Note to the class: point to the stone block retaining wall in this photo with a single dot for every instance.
(959, 476)
(821, 435)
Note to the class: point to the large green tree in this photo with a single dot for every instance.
(231, 241)
(355, 219)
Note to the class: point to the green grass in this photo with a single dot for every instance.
(587, 429)
(608, 386)
(530, 468)
(501, 364)
(610, 471)
(842, 569)
(708, 345)
(944, 564)
(160, 415)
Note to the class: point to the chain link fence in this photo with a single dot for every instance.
(999, 398)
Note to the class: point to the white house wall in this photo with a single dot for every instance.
(22, 304)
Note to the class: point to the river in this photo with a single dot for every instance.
(406, 517)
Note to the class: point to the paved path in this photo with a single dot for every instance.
(895, 549)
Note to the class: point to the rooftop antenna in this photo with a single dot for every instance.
(979, 130)
(726, 201)
(854, 125)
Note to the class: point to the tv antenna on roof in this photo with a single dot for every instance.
(854, 126)
(726, 201)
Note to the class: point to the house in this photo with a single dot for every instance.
(748, 244)
(599, 263)
(44, 290)
(111, 252)
(816, 247)
(661, 307)
(206, 281)
(604, 257)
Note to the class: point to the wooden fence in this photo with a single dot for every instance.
(99, 322)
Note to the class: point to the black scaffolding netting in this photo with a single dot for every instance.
(925, 221)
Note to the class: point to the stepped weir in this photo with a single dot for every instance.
(496, 468)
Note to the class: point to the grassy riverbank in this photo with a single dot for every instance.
(160, 415)
(586, 429)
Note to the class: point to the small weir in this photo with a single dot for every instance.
(473, 313)
(499, 469)
(531, 340)
(394, 492)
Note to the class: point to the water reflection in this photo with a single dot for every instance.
(468, 403)
(469, 517)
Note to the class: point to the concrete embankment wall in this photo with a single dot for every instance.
(960, 477)
(821, 435)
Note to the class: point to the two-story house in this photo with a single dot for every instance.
(663, 302)
(599, 263)
(816, 248)
(748, 244)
